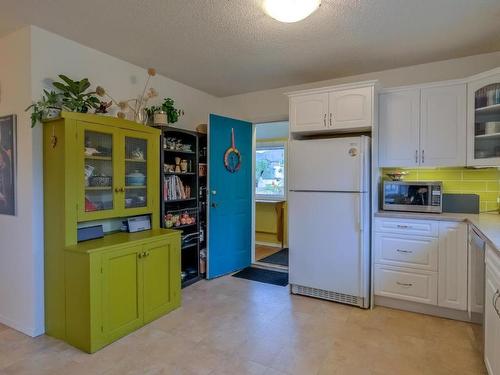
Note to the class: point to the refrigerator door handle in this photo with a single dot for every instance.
(359, 212)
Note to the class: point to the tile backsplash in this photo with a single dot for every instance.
(485, 182)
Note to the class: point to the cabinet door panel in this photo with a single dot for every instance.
(491, 323)
(351, 109)
(97, 171)
(161, 279)
(308, 113)
(399, 129)
(483, 133)
(122, 292)
(443, 126)
(139, 173)
(453, 266)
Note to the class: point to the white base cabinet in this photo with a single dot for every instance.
(452, 291)
(421, 261)
(492, 312)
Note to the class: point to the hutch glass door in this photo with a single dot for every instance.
(487, 122)
(136, 172)
(98, 172)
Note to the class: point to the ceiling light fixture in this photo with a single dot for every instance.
(290, 10)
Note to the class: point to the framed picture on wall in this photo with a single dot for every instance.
(8, 165)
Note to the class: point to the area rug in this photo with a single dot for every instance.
(280, 258)
(263, 276)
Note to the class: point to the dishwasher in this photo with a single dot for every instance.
(476, 270)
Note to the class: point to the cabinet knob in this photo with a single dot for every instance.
(117, 190)
(324, 120)
(331, 120)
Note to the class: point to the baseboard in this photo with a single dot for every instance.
(422, 308)
(29, 331)
(270, 244)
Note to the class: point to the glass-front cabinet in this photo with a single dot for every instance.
(483, 147)
(114, 170)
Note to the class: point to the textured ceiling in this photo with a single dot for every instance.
(227, 47)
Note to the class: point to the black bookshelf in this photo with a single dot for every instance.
(180, 196)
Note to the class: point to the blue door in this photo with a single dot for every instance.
(230, 195)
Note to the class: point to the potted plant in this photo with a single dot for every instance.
(165, 113)
(46, 108)
(74, 97)
(71, 96)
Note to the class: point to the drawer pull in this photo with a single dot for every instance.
(404, 251)
(406, 285)
(400, 226)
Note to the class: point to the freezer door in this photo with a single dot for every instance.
(328, 241)
(333, 164)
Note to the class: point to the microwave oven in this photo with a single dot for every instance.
(413, 196)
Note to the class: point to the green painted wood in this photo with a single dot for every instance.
(94, 291)
(122, 292)
(161, 289)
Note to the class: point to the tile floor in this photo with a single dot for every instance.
(234, 326)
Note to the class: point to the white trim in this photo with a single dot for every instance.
(424, 85)
(254, 145)
(30, 331)
(345, 86)
(421, 308)
(271, 144)
(484, 75)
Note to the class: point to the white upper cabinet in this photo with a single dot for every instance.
(309, 113)
(333, 109)
(399, 128)
(351, 109)
(443, 116)
(483, 120)
(423, 127)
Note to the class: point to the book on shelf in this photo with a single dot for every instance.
(174, 189)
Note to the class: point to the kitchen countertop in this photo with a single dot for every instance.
(486, 224)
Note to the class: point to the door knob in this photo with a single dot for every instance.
(214, 192)
(214, 205)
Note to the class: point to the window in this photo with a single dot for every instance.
(270, 171)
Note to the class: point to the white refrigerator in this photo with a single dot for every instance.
(329, 219)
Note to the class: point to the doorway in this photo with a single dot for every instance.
(270, 184)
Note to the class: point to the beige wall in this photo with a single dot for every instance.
(21, 262)
(272, 105)
(53, 55)
(29, 60)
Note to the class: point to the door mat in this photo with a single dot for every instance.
(280, 258)
(263, 276)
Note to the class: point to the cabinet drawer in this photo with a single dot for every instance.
(407, 251)
(405, 284)
(414, 227)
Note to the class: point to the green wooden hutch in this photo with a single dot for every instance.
(100, 169)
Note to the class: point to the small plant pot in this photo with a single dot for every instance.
(51, 113)
(161, 119)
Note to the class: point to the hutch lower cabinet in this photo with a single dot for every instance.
(116, 285)
(103, 170)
